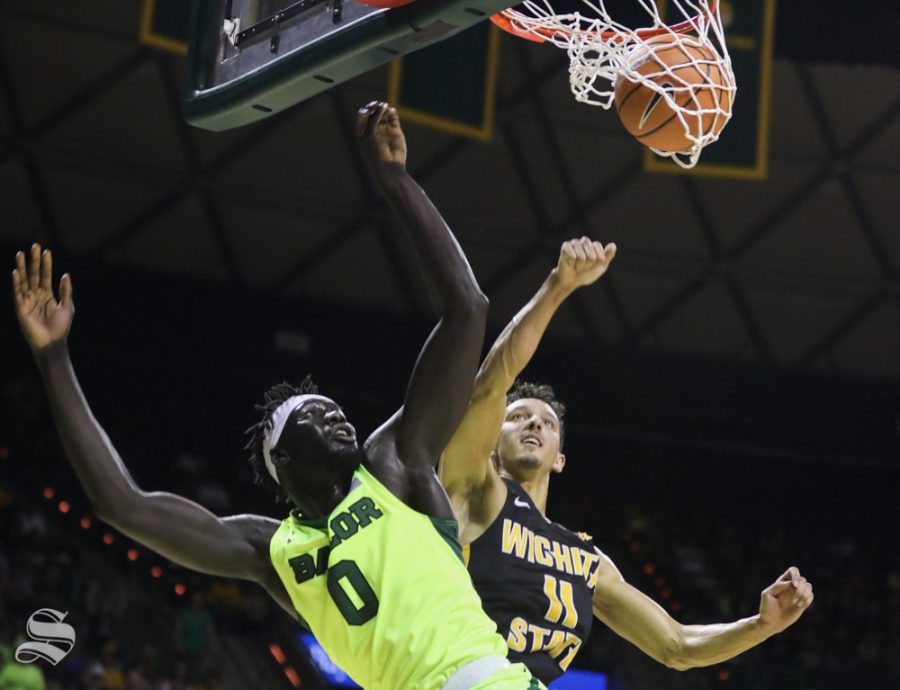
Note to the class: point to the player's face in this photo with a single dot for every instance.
(529, 438)
(318, 432)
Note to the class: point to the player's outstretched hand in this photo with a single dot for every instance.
(44, 321)
(784, 601)
(380, 134)
(582, 261)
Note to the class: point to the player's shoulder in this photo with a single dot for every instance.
(576, 537)
(256, 529)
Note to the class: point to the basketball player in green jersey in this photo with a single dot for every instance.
(369, 560)
(538, 581)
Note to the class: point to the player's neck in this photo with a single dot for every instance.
(317, 501)
(537, 489)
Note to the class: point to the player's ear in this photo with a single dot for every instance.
(559, 463)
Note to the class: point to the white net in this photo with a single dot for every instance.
(602, 51)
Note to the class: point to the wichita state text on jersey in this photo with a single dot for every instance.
(536, 580)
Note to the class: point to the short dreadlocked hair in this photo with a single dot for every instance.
(273, 399)
(544, 393)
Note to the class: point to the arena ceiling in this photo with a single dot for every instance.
(799, 271)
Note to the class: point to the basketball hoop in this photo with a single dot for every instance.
(603, 52)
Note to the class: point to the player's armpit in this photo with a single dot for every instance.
(188, 534)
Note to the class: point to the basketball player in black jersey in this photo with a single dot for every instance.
(537, 580)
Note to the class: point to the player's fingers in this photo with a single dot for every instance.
(391, 116)
(590, 251)
(20, 277)
(779, 587)
(47, 270)
(803, 593)
(65, 290)
(790, 574)
(16, 286)
(34, 270)
(609, 251)
(364, 122)
(20, 264)
(580, 256)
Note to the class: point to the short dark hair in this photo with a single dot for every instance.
(544, 393)
(273, 399)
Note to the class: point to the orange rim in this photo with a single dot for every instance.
(509, 18)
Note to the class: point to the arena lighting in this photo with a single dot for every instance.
(649, 568)
(576, 679)
(4, 452)
(49, 493)
(292, 676)
(156, 571)
(108, 538)
(132, 554)
(85, 522)
(64, 507)
(277, 653)
(180, 589)
(330, 671)
(724, 674)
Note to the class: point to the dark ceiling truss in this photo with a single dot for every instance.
(438, 161)
(562, 171)
(794, 199)
(525, 102)
(381, 225)
(721, 271)
(195, 172)
(186, 185)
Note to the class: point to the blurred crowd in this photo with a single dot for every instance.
(136, 632)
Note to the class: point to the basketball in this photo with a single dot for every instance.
(690, 73)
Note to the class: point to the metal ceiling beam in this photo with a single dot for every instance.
(185, 185)
(347, 127)
(56, 22)
(33, 176)
(566, 179)
(437, 162)
(724, 270)
(597, 199)
(832, 339)
(208, 203)
(75, 103)
(763, 227)
(857, 207)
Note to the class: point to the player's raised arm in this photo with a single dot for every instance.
(644, 623)
(174, 527)
(466, 460)
(441, 382)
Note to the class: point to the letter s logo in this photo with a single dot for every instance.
(44, 632)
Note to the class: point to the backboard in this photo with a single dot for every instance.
(249, 59)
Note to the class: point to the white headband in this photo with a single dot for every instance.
(279, 419)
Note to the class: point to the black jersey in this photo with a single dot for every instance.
(536, 580)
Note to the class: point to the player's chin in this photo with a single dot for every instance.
(529, 461)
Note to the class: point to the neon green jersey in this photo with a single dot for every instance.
(384, 590)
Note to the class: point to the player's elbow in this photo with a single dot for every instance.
(471, 303)
(674, 652)
(116, 509)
